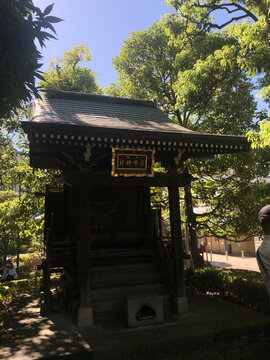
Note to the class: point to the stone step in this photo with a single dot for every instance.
(121, 253)
(128, 278)
(113, 315)
(102, 307)
(116, 260)
(148, 266)
(122, 291)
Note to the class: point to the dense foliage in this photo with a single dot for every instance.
(10, 290)
(189, 82)
(67, 75)
(248, 22)
(243, 287)
(232, 190)
(21, 211)
(28, 265)
(21, 25)
(199, 77)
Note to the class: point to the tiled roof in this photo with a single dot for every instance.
(102, 112)
(79, 120)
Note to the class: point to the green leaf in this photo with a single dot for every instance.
(53, 19)
(38, 66)
(39, 76)
(45, 35)
(20, 26)
(67, 75)
(48, 9)
(46, 24)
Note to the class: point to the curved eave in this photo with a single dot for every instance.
(48, 135)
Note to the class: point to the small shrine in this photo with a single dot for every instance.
(100, 231)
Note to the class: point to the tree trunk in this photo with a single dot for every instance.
(191, 224)
(6, 242)
(18, 257)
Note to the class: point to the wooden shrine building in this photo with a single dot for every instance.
(99, 231)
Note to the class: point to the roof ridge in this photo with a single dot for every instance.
(50, 94)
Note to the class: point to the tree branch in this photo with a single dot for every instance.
(226, 7)
(208, 213)
(206, 26)
(216, 26)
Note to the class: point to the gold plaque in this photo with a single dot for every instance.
(132, 162)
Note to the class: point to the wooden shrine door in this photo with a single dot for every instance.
(118, 217)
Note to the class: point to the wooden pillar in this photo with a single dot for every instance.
(147, 226)
(72, 272)
(46, 304)
(85, 314)
(179, 293)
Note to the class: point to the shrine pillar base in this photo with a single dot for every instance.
(180, 304)
(85, 317)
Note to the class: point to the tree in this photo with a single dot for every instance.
(21, 24)
(65, 74)
(192, 84)
(201, 13)
(261, 138)
(21, 219)
(21, 225)
(199, 85)
(247, 21)
(6, 235)
(232, 189)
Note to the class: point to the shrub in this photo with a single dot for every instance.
(24, 284)
(28, 265)
(9, 290)
(243, 287)
(6, 297)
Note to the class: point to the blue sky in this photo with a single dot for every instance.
(101, 25)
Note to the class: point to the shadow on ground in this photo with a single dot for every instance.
(220, 264)
(211, 322)
(27, 335)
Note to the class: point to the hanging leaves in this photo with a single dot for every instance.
(21, 24)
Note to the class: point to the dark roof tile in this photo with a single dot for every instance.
(103, 115)
(91, 114)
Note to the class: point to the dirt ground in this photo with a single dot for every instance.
(29, 336)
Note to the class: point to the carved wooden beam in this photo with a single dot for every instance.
(104, 179)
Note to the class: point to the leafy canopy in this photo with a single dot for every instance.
(198, 85)
(248, 21)
(197, 79)
(21, 24)
(21, 211)
(67, 75)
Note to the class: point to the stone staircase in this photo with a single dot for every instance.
(116, 275)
